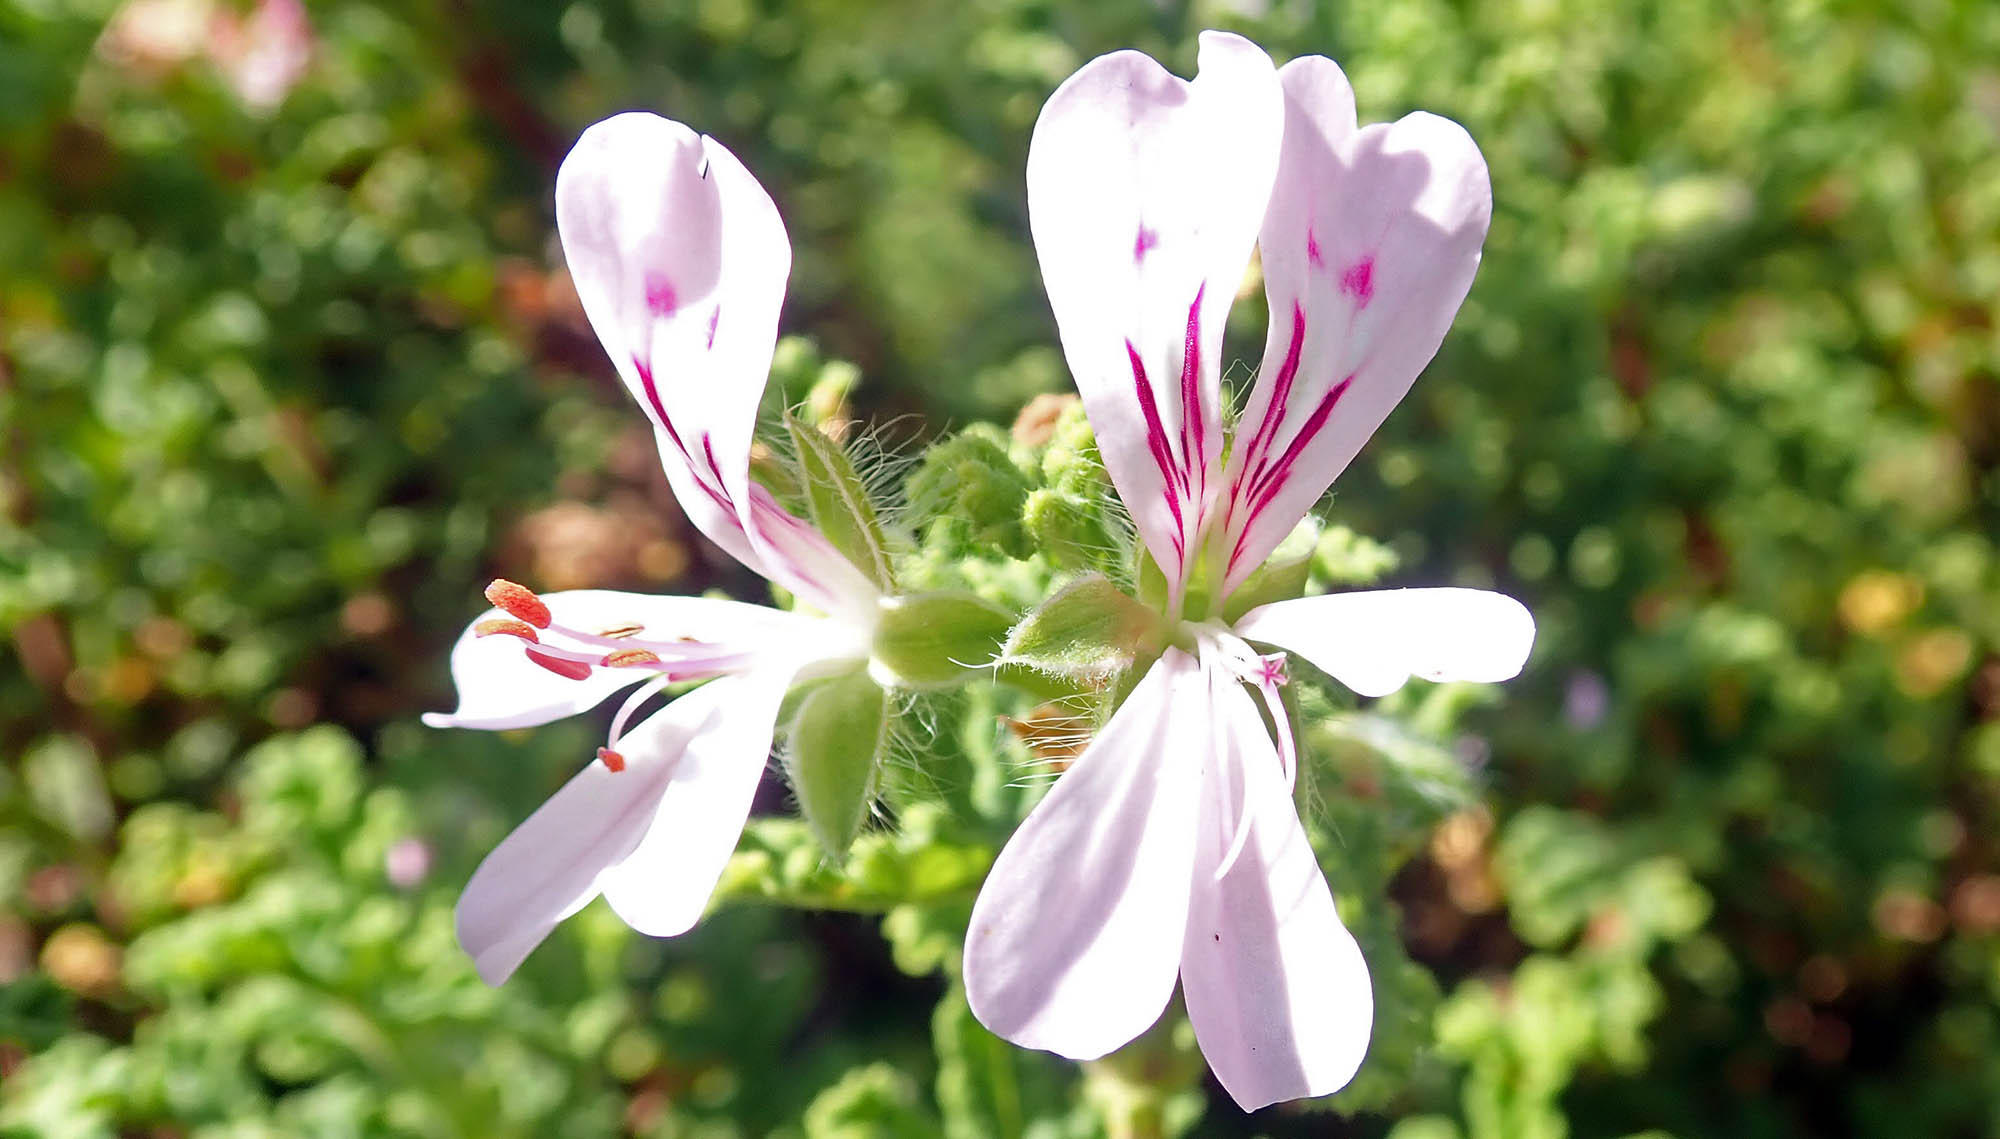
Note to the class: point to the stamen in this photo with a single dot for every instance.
(639, 696)
(572, 669)
(621, 632)
(1242, 838)
(507, 626)
(519, 601)
(1266, 674)
(611, 759)
(630, 658)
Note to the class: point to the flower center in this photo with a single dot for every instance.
(1267, 674)
(576, 653)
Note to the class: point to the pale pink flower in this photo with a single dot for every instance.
(1172, 847)
(680, 260)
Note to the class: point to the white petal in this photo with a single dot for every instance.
(661, 887)
(1074, 942)
(1371, 241)
(499, 687)
(548, 867)
(1373, 641)
(680, 260)
(1145, 193)
(1276, 987)
(664, 232)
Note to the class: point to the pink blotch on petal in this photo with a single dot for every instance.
(659, 295)
(1146, 241)
(1359, 281)
(714, 318)
(1312, 248)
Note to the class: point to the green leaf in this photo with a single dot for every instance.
(1089, 631)
(878, 1101)
(836, 738)
(839, 502)
(935, 640)
(986, 1087)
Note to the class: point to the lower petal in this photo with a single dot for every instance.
(1374, 640)
(1275, 986)
(547, 869)
(1074, 942)
(720, 736)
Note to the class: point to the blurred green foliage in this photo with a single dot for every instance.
(284, 382)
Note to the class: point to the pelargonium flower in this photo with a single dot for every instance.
(1172, 847)
(680, 260)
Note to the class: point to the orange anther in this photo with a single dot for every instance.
(630, 658)
(611, 759)
(508, 626)
(518, 600)
(573, 669)
(621, 631)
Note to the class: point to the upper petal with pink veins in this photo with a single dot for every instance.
(680, 260)
(1370, 244)
(1145, 192)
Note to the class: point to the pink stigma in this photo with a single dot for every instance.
(659, 295)
(1359, 282)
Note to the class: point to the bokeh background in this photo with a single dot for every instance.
(289, 368)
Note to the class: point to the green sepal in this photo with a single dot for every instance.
(935, 640)
(1282, 577)
(835, 742)
(838, 502)
(1152, 581)
(1090, 631)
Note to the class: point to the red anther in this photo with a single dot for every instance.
(630, 658)
(508, 626)
(573, 669)
(518, 600)
(611, 759)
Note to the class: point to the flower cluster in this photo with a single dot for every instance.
(1171, 851)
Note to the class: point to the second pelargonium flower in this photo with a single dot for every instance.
(680, 260)
(1172, 849)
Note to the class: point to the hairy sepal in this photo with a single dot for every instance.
(836, 740)
(1089, 632)
(838, 502)
(936, 640)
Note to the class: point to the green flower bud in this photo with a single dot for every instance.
(971, 484)
(1343, 557)
(1070, 461)
(1068, 530)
